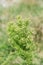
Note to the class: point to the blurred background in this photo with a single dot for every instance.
(32, 9)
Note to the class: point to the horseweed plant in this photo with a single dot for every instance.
(19, 37)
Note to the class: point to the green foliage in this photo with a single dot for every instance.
(22, 48)
(20, 39)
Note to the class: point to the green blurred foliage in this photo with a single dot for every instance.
(20, 39)
(9, 14)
